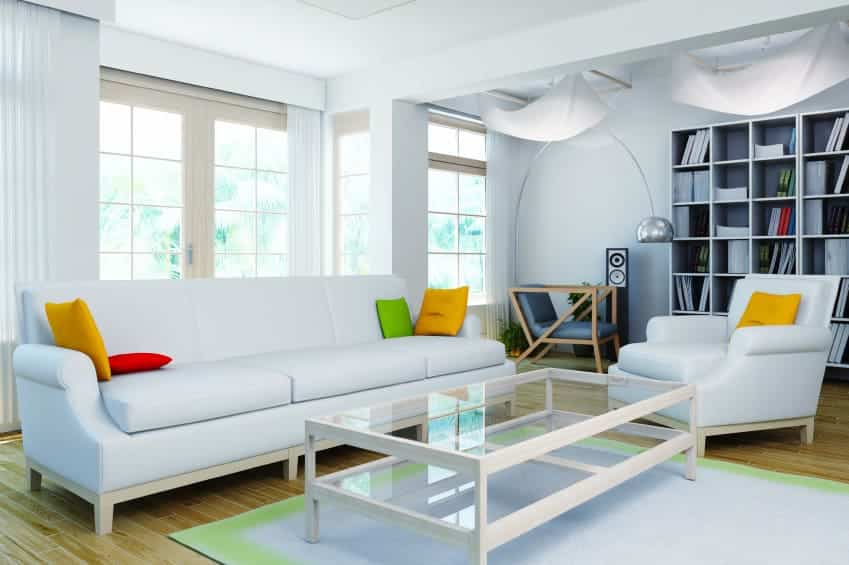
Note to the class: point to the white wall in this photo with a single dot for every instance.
(134, 52)
(585, 194)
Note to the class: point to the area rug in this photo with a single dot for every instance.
(732, 514)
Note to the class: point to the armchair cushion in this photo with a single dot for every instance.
(573, 330)
(769, 340)
(681, 362)
(537, 307)
(687, 329)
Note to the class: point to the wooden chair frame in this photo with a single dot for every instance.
(596, 294)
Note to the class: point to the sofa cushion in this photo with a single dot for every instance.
(671, 361)
(331, 371)
(183, 394)
(448, 355)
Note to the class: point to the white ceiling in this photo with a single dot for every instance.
(293, 35)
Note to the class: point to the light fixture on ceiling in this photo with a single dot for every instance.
(356, 10)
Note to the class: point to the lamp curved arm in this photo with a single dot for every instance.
(636, 164)
(518, 209)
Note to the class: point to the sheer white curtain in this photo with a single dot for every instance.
(28, 36)
(304, 128)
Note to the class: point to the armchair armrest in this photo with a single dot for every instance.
(471, 326)
(53, 366)
(769, 340)
(687, 329)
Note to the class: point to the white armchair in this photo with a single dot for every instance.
(754, 378)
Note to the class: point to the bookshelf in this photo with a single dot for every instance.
(817, 242)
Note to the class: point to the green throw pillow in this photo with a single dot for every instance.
(394, 316)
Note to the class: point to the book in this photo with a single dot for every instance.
(836, 332)
(791, 146)
(841, 137)
(738, 256)
(679, 293)
(685, 157)
(836, 257)
(835, 130)
(703, 151)
(701, 186)
(816, 177)
(814, 217)
(703, 301)
(773, 261)
(764, 151)
(840, 307)
(841, 179)
(841, 349)
(682, 221)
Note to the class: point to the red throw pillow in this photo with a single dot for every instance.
(137, 362)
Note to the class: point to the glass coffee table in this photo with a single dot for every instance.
(435, 478)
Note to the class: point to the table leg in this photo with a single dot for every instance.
(692, 452)
(310, 502)
(477, 553)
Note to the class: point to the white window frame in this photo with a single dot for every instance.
(462, 165)
(199, 108)
(347, 124)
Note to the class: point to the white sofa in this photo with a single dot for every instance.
(747, 379)
(252, 360)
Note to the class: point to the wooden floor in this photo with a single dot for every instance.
(55, 526)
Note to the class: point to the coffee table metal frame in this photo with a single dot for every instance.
(487, 536)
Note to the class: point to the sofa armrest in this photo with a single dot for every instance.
(471, 327)
(770, 340)
(53, 366)
(687, 329)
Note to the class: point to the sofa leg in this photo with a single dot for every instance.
(33, 479)
(701, 441)
(808, 432)
(103, 512)
(290, 466)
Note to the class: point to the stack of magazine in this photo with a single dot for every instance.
(840, 305)
(840, 335)
(691, 186)
(838, 134)
(777, 258)
(692, 293)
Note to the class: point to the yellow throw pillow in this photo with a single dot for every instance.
(74, 328)
(770, 310)
(443, 311)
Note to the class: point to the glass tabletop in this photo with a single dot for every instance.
(483, 417)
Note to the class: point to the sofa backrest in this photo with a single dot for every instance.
(211, 319)
(818, 294)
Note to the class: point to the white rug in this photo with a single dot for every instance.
(731, 514)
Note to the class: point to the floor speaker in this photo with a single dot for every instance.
(616, 269)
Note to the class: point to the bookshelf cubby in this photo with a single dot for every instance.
(810, 237)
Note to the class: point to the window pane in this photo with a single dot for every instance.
(353, 195)
(114, 227)
(235, 145)
(114, 178)
(114, 128)
(441, 232)
(157, 182)
(273, 192)
(472, 145)
(354, 154)
(354, 233)
(235, 189)
(235, 266)
(355, 264)
(272, 150)
(156, 266)
(157, 134)
(115, 267)
(471, 234)
(441, 139)
(235, 231)
(272, 265)
(442, 271)
(472, 272)
(472, 194)
(441, 191)
(156, 229)
(272, 233)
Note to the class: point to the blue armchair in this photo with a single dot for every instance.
(543, 327)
